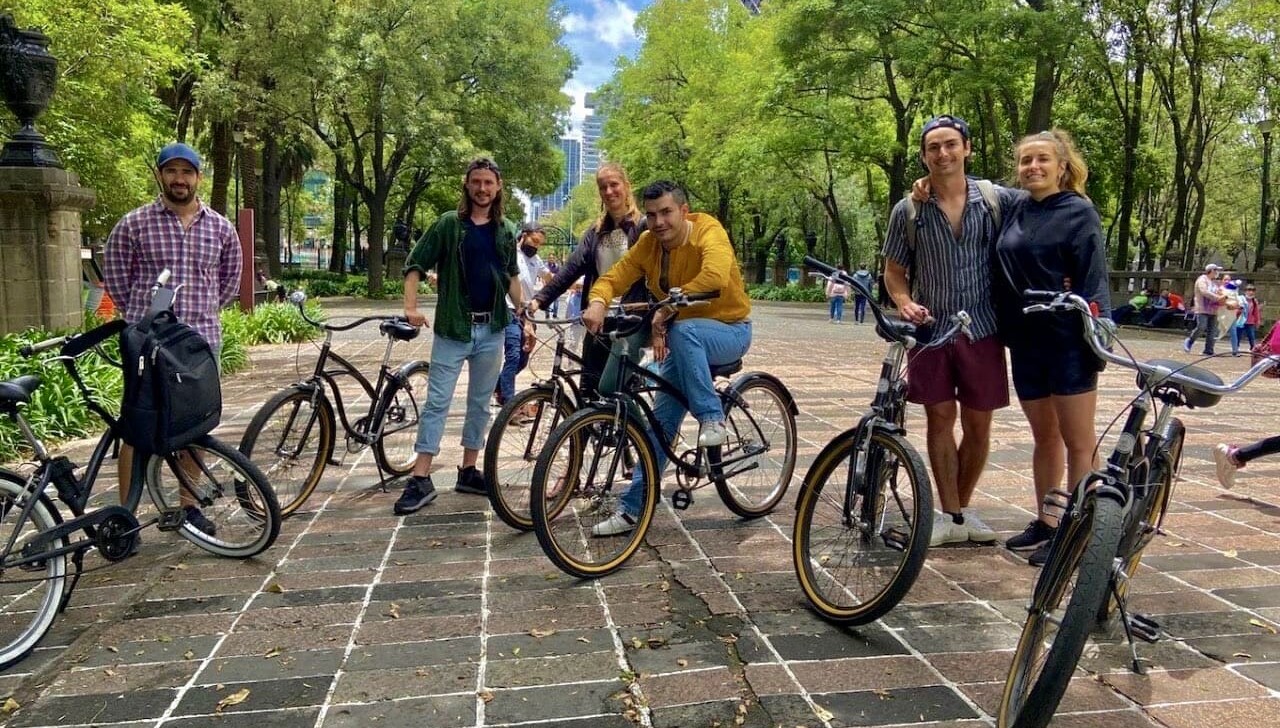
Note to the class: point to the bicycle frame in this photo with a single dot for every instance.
(323, 373)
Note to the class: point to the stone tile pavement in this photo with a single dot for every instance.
(447, 618)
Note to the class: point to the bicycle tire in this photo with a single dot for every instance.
(401, 407)
(564, 524)
(1150, 509)
(760, 483)
(889, 543)
(292, 477)
(511, 451)
(29, 608)
(1086, 550)
(232, 493)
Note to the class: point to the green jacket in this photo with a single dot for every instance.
(441, 248)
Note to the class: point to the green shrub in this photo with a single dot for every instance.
(324, 288)
(768, 292)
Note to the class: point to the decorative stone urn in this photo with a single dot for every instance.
(28, 75)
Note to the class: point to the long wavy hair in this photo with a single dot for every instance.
(464, 205)
(1076, 172)
(633, 211)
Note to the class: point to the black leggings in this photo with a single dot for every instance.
(1255, 450)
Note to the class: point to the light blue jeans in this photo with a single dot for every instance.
(483, 355)
(695, 345)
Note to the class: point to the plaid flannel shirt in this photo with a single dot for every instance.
(204, 259)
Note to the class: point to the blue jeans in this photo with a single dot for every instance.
(837, 308)
(1246, 331)
(483, 355)
(1207, 324)
(859, 308)
(514, 360)
(695, 345)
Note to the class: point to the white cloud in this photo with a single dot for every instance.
(613, 23)
(577, 90)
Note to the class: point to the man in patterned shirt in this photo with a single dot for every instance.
(949, 263)
(200, 248)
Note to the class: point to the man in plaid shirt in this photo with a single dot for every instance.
(200, 248)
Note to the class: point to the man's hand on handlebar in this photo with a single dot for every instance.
(915, 313)
(415, 317)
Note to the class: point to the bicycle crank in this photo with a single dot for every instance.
(117, 536)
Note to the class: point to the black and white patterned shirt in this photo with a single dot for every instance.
(949, 274)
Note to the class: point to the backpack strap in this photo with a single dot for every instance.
(992, 199)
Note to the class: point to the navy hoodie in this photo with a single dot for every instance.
(1050, 245)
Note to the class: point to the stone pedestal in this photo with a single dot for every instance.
(1270, 258)
(40, 280)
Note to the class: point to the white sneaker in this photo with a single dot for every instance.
(947, 531)
(979, 532)
(711, 434)
(1226, 466)
(615, 525)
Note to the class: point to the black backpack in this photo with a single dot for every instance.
(172, 391)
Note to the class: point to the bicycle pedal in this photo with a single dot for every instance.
(171, 519)
(681, 500)
(895, 538)
(1145, 628)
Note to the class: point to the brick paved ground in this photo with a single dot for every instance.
(447, 618)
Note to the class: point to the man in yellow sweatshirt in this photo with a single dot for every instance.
(689, 251)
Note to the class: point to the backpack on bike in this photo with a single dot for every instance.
(172, 391)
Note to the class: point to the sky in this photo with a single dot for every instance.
(597, 31)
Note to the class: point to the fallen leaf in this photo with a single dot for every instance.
(188, 655)
(178, 567)
(637, 643)
(682, 662)
(1245, 655)
(1230, 553)
(516, 652)
(883, 694)
(9, 706)
(272, 653)
(113, 648)
(823, 713)
(584, 639)
(540, 633)
(109, 672)
(1175, 544)
(219, 687)
(656, 642)
(1263, 625)
(394, 611)
(164, 638)
(235, 698)
(275, 588)
(664, 586)
(486, 696)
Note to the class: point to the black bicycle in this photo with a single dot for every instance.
(35, 540)
(1109, 519)
(864, 514)
(588, 460)
(293, 437)
(522, 425)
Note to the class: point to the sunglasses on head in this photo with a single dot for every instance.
(484, 163)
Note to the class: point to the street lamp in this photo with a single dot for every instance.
(1264, 127)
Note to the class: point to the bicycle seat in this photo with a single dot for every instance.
(18, 391)
(1194, 397)
(726, 370)
(399, 329)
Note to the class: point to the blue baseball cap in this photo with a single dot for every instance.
(945, 121)
(178, 150)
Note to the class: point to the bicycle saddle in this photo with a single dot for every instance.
(726, 370)
(1194, 397)
(399, 329)
(18, 391)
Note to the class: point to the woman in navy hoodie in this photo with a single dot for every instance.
(1052, 240)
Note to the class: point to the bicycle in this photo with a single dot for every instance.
(293, 436)
(576, 474)
(1107, 521)
(864, 513)
(521, 427)
(36, 540)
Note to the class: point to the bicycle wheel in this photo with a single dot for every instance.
(1164, 455)
(402, 403)
(291, 440)
(1077, 575)
(759, 456)
(230, 492)
(856, 565)
(513, 446)
(29, 594)
(587, 452)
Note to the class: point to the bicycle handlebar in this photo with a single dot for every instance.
(31, 350)
(628, 324)
(298, 298)
(1067, 301)
(902, 333)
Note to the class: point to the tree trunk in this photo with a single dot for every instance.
(1045, 85)
(271, 169)
(249, 185)
(341, 212)
(222, 171)
(1132, 138)
(357, 250)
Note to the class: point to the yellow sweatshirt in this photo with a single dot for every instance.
(705, 262)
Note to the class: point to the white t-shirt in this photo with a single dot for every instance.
(532, 268)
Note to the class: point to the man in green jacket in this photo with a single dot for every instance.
(474, 254)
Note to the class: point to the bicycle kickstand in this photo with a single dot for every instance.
(78, 560)
(1135, 625)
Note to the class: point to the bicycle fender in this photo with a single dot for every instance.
(408, 368)
(742, 379)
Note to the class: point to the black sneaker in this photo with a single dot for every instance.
(196, 518)
(1040, 556)
(1037, 534)
(417, 493)
(471, 481)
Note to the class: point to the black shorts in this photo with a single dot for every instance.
(1053, 366)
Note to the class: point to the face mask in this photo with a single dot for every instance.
(528, 250)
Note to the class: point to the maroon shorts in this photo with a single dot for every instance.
(970, 372)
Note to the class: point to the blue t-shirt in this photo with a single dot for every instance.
(479, 261)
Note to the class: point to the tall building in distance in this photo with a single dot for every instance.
(592, 129)
(572, 149)
(753, 6)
